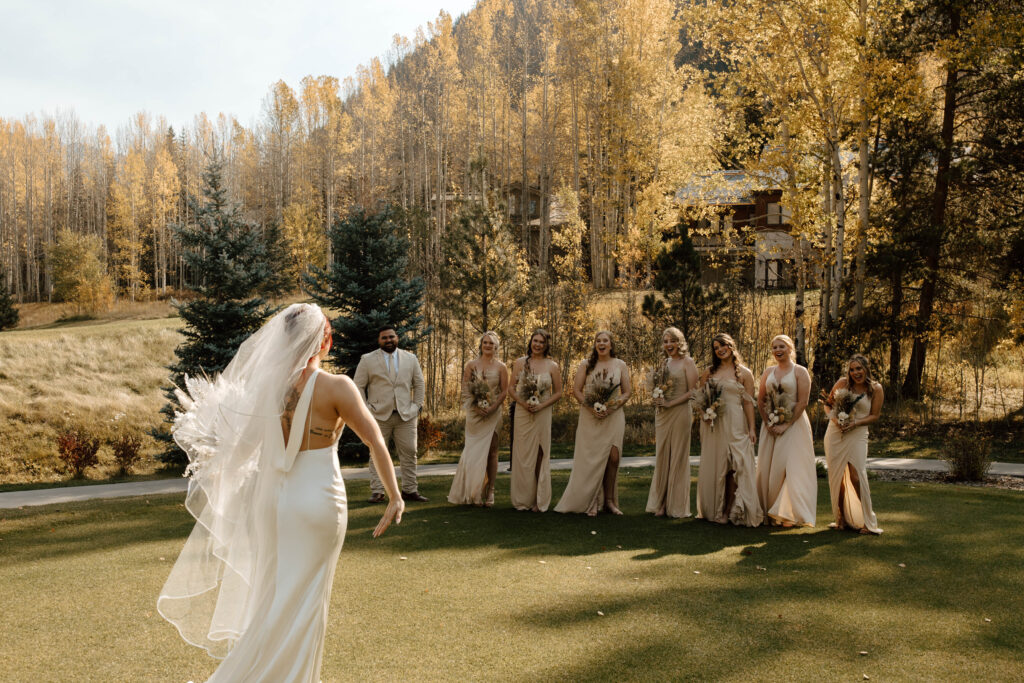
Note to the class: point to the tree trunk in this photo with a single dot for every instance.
(895, 328)
(839, 210)
(933, 246)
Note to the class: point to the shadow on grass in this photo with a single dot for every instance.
(798, 600)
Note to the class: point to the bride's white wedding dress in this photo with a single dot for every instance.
(285, 637)
(253, 582)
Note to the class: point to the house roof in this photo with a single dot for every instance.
(729, 188)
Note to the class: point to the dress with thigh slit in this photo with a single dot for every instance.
(470, 480)
(725, 448)
(595, 439)
(532, 440)
(845, 453)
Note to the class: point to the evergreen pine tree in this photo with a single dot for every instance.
(367, 284)
(227, 259)
(485, 273)
(8, 313)
(687, 304)
(280, 282)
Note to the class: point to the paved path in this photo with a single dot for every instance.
(70, 494)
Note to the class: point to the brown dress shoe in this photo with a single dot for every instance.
(378, 498)
(414, 496)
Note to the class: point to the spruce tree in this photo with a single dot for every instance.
(368, 285)
(694, 308)
(227, 260)
(8, 313)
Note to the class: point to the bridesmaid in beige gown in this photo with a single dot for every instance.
(726, 489)
(593, 483)
(531, 443)
(478, 464)
(673, 422)
(787, 483)
(846, 449)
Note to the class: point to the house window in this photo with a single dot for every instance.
(533, 206)
(778, 214)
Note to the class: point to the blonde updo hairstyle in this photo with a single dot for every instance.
(494, 340)
(785, 339)
(680, 338)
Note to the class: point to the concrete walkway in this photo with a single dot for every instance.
(71, 494)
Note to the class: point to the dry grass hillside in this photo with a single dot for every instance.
(86, 373)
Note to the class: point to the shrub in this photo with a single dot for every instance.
(77, 448)
(968, 452)
(428, 434)
(351, 449)
(820, 469)
(127, 447)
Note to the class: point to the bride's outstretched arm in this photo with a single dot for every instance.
(356, 415)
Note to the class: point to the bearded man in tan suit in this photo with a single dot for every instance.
(391, 382)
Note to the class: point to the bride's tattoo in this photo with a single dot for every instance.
(291, 402)
(322, 431)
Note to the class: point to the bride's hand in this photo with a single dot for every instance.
(393, 514)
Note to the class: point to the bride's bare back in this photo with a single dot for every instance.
(335, 403)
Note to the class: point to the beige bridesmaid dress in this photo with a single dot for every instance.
(471, 475)
(594, 442)
(845, 453)
(787, 483)
(726, 448)
(532, 434)
(670, 486)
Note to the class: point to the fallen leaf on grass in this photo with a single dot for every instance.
(862, 652)
(542, 561)
(402, 557)
(902, 565)
(619, 547)
(593, 533)
(987, 620)
(866, 677)
(696, 572)
(761, 569)
(600, 613)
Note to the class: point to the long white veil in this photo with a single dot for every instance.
(231, 431)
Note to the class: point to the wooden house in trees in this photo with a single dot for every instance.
(745, 231)
(541, 216)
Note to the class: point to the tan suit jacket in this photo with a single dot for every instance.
(384, 395)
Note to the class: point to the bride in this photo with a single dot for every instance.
(253, 582)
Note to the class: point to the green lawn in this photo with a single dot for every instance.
(501, 595)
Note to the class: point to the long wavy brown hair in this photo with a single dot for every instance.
(868, 377)
(724, 339)
(529, 345)
(592, 360)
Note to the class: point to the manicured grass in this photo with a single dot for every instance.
(501, 595)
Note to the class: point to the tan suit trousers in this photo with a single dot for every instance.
(404, 434)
